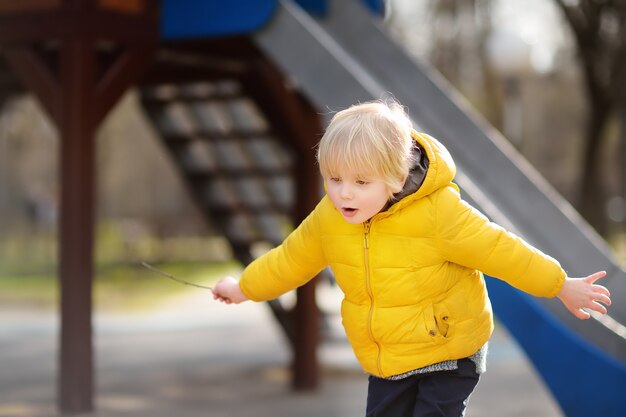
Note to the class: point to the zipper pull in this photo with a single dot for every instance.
(366, 225)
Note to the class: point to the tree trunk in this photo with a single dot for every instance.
(592, 198)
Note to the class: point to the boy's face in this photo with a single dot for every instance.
(358, 198)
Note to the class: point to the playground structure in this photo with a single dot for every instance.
(335, 53)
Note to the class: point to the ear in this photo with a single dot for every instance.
(400, 186)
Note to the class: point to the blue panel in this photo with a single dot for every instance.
(377, 6)
(317, 7)
(184, 19)
(320, 7)
(584, 380)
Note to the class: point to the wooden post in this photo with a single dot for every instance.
(77, 126)
(77, 91)
(299, 125)
(306, 375)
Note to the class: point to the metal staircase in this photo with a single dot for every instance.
(238, 172)
(214, 114)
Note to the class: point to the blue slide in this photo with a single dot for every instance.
(584, 380)
(349, 58)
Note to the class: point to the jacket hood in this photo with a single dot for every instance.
(432, 170)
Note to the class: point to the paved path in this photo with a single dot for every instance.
(194, 357)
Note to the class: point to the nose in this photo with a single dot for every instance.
(346, 192)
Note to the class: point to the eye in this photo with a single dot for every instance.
(335, 179)
(362, 182)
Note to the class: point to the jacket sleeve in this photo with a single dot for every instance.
(287, 266)
(466, 237)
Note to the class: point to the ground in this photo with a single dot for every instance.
(195, 357)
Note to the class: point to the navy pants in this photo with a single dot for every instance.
(436, 394)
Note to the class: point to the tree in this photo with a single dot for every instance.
(599, 30)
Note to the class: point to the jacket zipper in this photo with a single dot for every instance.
(368, 286)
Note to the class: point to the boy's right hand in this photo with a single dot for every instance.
(227, 290)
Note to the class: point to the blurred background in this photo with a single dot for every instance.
(518, 63)
(551, 79)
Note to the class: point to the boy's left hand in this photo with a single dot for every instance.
(582, 293)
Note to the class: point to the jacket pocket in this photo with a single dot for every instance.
(436, 322)
(452, 310)
(442, 322)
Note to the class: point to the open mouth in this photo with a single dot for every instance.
(348, 211)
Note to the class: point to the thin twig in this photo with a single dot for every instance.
(165, 274)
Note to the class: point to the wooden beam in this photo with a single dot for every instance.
(71, 24)
(124, 6)
(124, 71)
(37, 76)
(12, 6)
(232, 47)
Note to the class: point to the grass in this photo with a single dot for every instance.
(116, 287)
(28, 268)
(133, 287)
(35, 290)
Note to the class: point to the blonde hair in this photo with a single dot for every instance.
(373, 139)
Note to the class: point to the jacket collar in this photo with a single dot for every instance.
(433, 169)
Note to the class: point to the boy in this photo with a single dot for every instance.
(408, 255)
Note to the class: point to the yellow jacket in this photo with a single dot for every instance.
(414, 293)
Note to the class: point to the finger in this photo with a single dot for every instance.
(602, 290)
(600, 308)
(595, 306)
(582, 314)
(579, 313)
(603, 299)
(594, 277)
